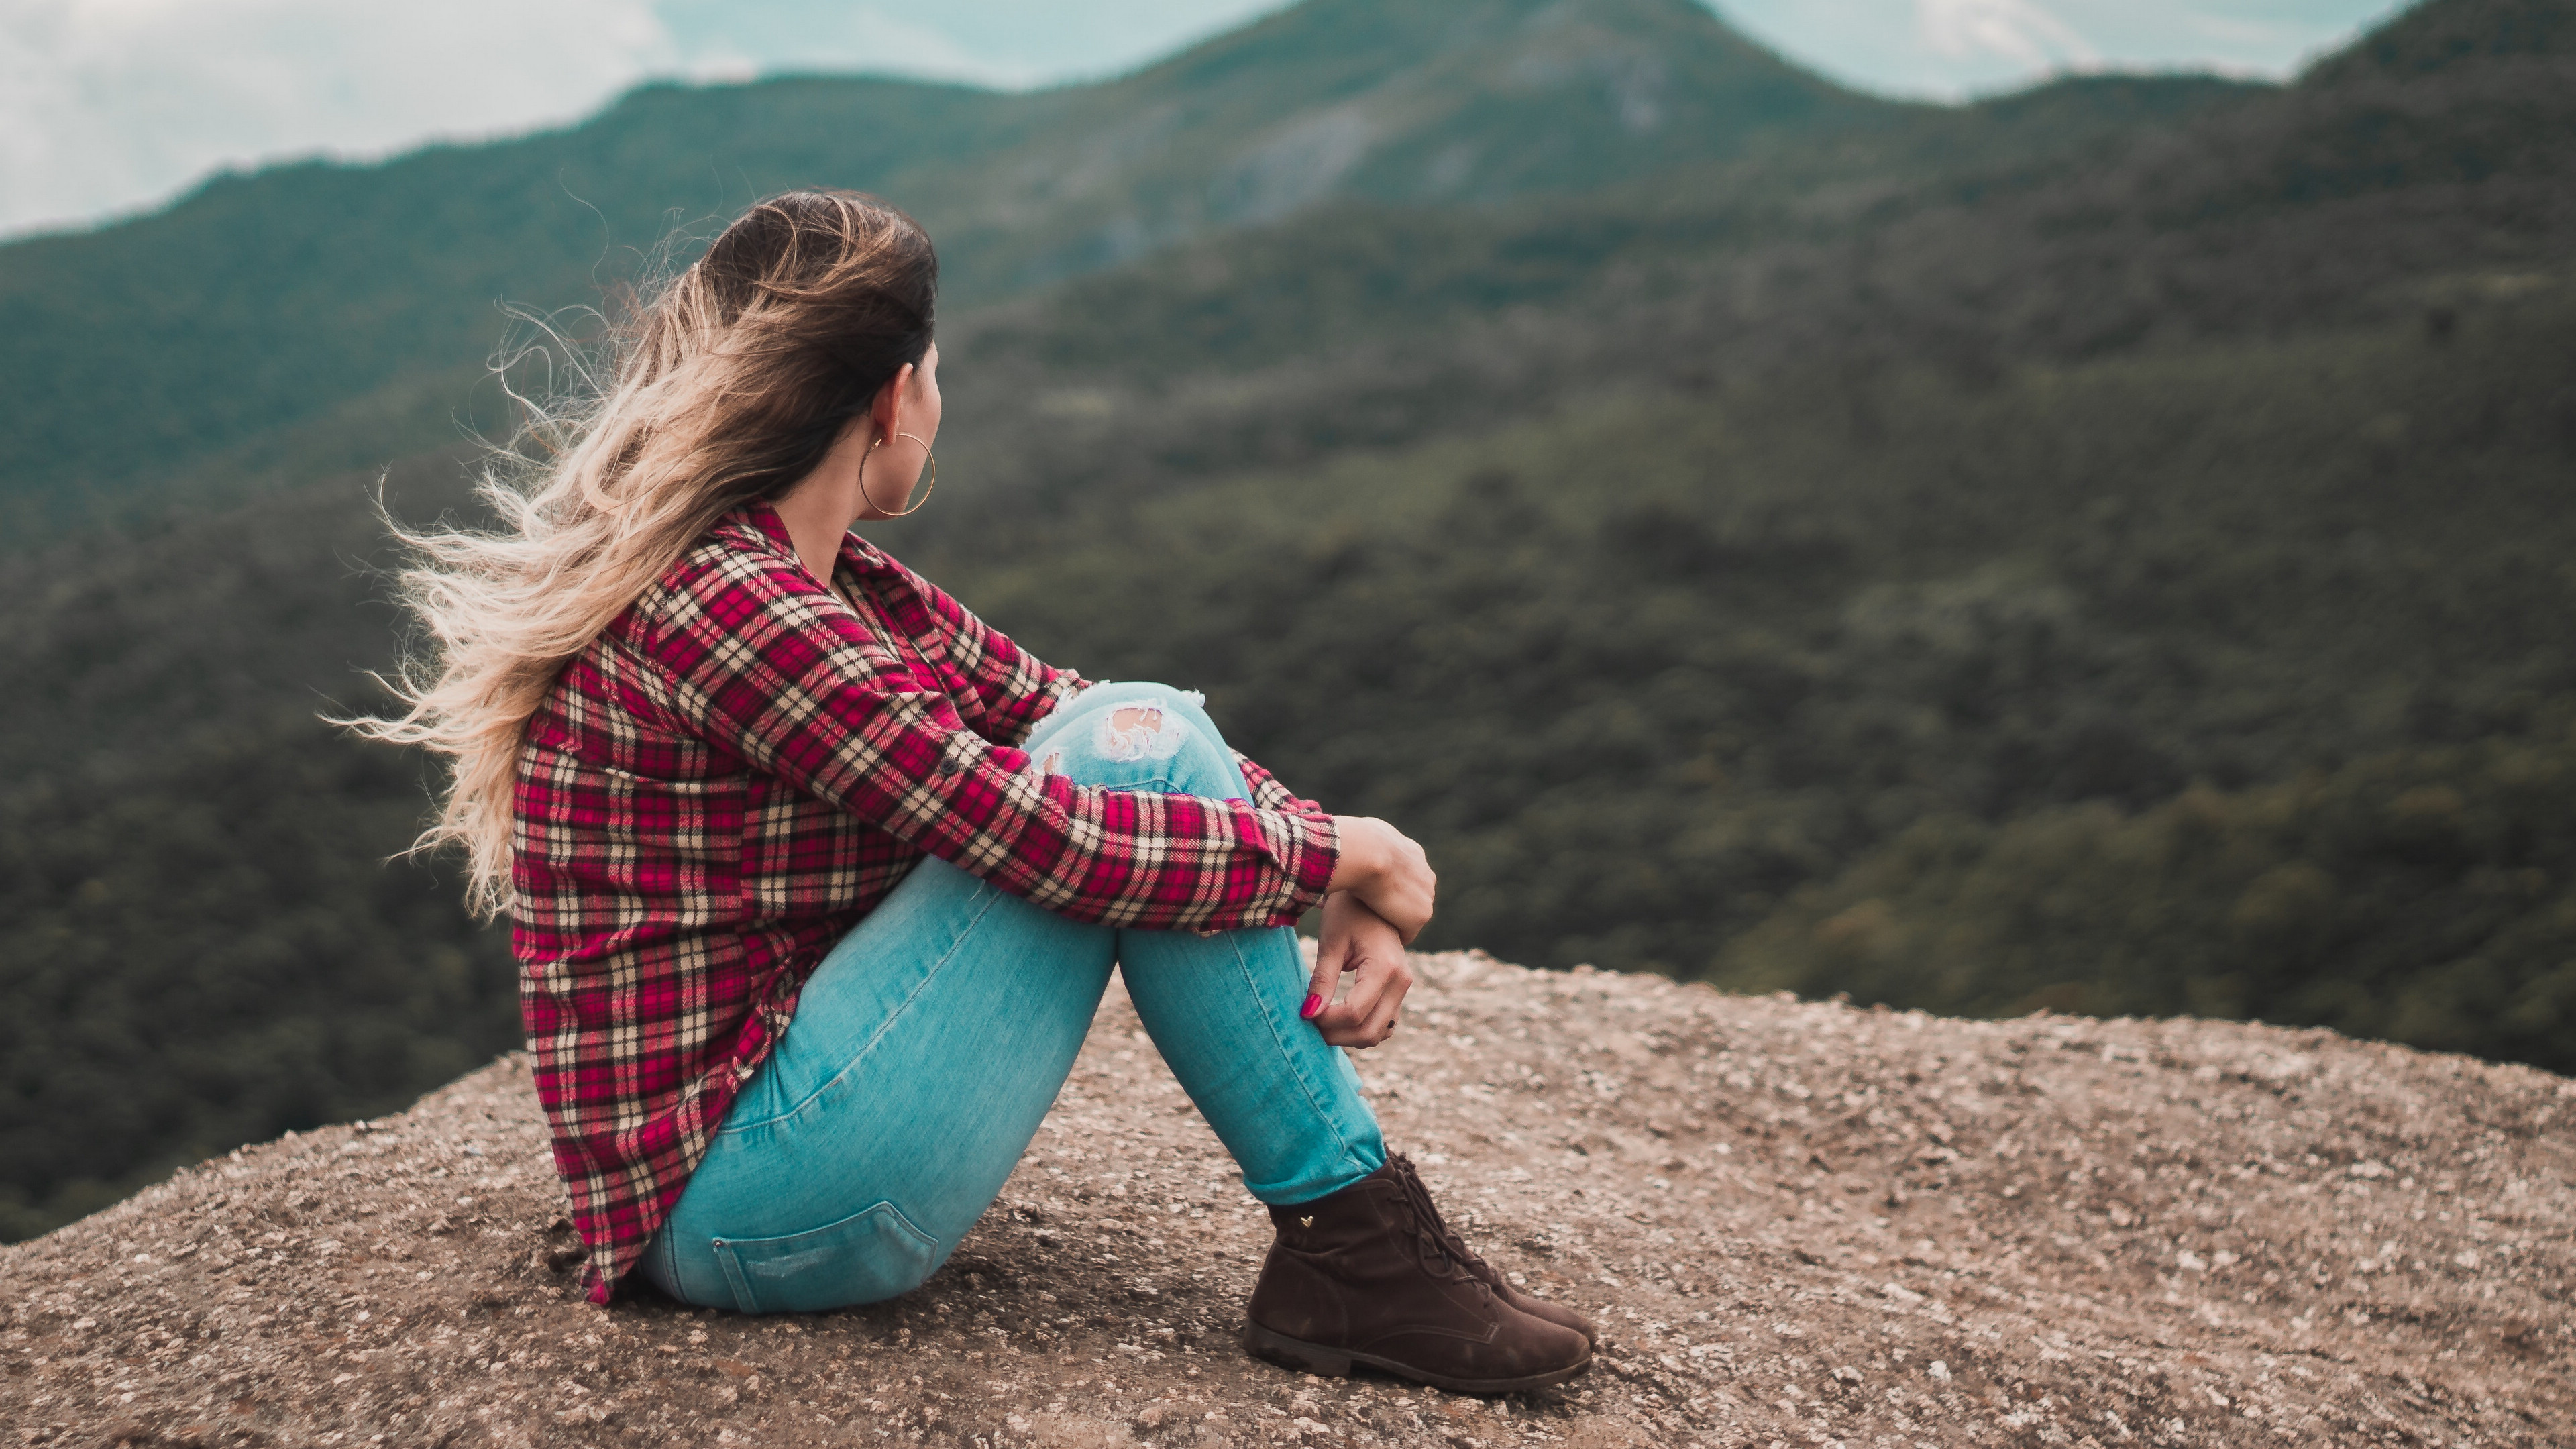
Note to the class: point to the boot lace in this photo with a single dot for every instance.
(1435, 1233)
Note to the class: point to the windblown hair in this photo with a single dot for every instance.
(724, 384)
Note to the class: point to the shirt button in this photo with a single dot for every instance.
(948, 766)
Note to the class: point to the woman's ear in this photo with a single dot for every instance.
(888, 407)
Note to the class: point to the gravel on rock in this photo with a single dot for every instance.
(1796, 1224)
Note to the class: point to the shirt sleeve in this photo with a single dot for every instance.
(758, 660)
(1008, 689)
(1269, 794)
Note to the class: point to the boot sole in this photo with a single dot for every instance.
(1315, 1358)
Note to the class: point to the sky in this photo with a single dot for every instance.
(111, 107)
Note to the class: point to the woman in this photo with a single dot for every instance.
(816, 881)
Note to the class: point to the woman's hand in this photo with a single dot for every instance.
(1356, 939)
(1386, 871)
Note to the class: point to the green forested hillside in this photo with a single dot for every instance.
(2102, 548)
(265, 300)
(1648, 673)
(202, 942)
(2419, 894)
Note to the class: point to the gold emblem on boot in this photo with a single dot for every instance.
(1305, 1222)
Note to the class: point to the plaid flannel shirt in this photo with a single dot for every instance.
(739, 768)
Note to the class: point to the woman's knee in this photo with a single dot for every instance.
(1110, 733)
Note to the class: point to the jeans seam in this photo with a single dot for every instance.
(1305, 1083)
(744, 1300)
(989, 897)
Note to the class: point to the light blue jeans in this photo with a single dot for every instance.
(929, 1044)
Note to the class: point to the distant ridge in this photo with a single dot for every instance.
(264, 301)
(2445, 33)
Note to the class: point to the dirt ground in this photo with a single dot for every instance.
(1797, 1225)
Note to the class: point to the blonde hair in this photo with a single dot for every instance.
(725, 384)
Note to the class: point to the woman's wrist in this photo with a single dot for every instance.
(1385, 872)
(1362, 854)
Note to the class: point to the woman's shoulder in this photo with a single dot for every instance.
(744, 554)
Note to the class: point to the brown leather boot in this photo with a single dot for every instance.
(1457, 1246)
(1367, 1275)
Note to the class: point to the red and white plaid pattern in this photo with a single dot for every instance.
(739, 768)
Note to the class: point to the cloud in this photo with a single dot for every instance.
(2019, 31)
(110, 104)
(1954, 48)
(732, 40)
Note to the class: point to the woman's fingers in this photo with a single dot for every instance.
(1369, 1015)
(1338, 950)
(1332, 957)
(1375, 953)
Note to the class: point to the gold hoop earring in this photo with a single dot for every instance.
(928, 457)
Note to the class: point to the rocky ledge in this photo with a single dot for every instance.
(1797, 1224)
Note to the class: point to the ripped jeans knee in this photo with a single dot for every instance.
(1140, 735)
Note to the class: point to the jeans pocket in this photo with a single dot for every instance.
(871, 1255)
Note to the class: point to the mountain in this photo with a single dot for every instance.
(266, 300)
(1747, 558)
(1420, 101)
(2086, 219)
(2474, 35)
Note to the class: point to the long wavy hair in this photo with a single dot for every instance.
(721, 385)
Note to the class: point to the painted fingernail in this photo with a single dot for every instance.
(1313, 1004)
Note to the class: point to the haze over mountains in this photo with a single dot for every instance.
(2099, 548)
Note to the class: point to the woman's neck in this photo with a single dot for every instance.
(820, 508)
(815, 531)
